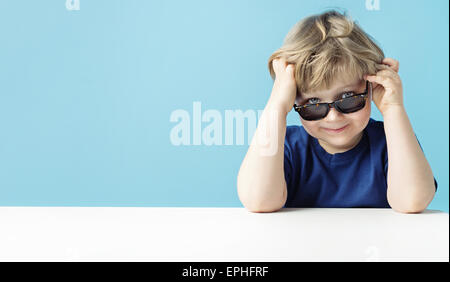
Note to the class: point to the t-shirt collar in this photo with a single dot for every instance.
(344, 156)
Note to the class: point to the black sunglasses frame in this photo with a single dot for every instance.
(364, 95)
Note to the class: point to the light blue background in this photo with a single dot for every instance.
(86, 96)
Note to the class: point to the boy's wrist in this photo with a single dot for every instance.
(393, 110)
(279, 106)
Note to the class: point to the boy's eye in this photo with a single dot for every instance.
(347, 94)
(313, 100)
(341, 96)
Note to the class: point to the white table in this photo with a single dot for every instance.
(220, 234)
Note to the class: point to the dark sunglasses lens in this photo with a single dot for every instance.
(351, 104)
(314, 112)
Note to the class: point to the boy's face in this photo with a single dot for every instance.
(353, 124)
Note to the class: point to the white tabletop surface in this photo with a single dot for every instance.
(220, 234)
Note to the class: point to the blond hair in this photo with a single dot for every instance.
(327, 47)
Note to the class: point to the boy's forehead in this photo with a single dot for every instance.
(336, 87)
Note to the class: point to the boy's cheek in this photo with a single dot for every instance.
(308, 126)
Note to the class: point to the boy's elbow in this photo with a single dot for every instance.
(262, 208)
(257, 203)
(257, 206)
(409, 206)
(408, 209)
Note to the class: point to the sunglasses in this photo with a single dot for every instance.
(346, 105)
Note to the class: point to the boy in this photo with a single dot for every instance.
(329, 70)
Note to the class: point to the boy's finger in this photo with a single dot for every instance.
(279, 65)
(382, 74)
(387, 73)
(384, 81)
(374, 85)
(290, 69)
(377, 79)
(279, 62)
(394, 64)
(276, 65)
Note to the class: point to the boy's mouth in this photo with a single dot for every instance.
(337, 130)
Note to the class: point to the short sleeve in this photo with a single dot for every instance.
(287, 167)
(287, 164)
(386, 165)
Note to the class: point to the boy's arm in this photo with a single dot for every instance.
(261, 183)
(410, 180)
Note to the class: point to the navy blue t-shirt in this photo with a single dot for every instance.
(355, 178)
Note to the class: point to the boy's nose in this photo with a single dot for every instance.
(333, 115)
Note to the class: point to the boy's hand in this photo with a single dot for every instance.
(284, 87)
(387, 91)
